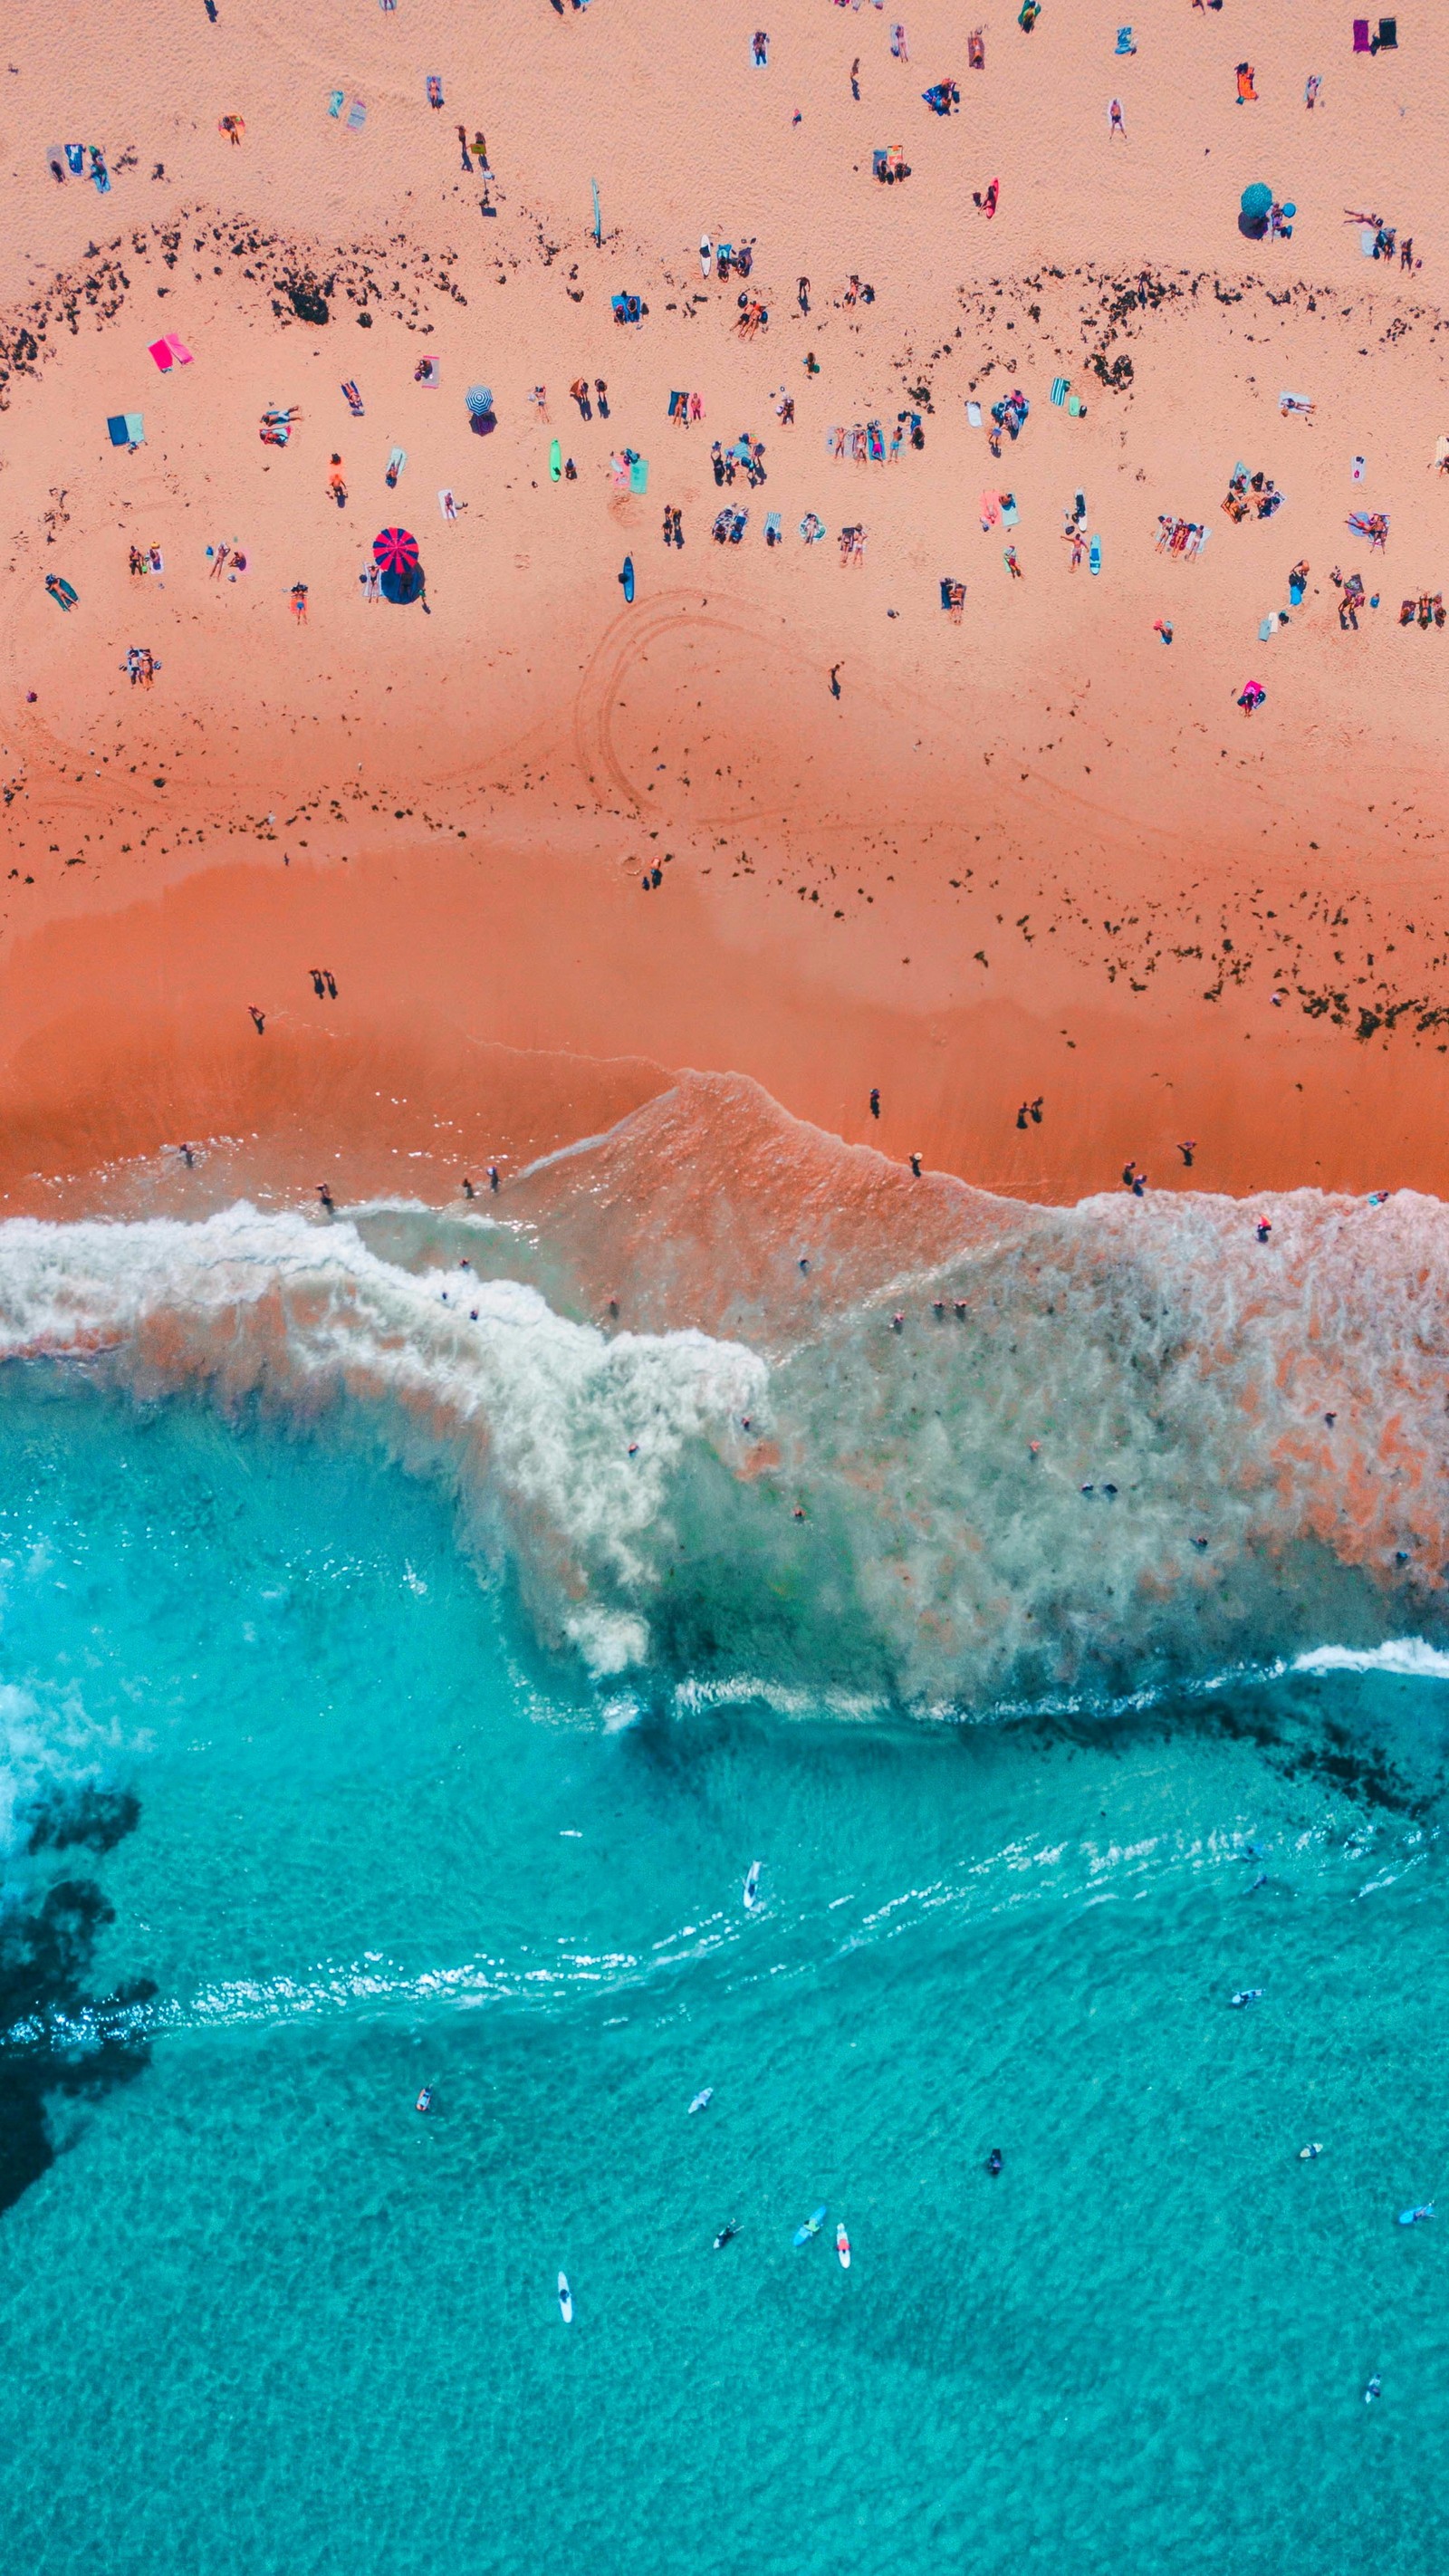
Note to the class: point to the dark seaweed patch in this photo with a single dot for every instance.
(46, 1952)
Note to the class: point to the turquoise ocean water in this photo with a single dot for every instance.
(306, 1806)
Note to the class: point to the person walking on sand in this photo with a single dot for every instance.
(802, 294)
(463, 148)
(1116, 122)
(835, 671)
(337, 481)
(259, 1019)
(875, 1101)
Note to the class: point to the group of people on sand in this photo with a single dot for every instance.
(145, 559)
(1426, 611)
(1247, 492)
(1180, 536)
(140, 665)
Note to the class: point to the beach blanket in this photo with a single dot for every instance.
(973, 414)
(1361, 35)
(447, 503)
(178, 349)
(158, 350)
(1075, 406)
(812, 528)
(1059, 390)
(395, 464)
(356, 115)
(639, 474)
(119, 427)
(334, 101)
(1009, 511)
(772, 528)
(353, 400)
(1125, 44)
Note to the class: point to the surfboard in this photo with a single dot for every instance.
(1094, 555)
(842, 2245)
(565, 2299)
(812, 2227)
(626, 578)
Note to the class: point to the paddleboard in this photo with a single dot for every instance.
(842, 2245)
(555, 461)
(565, 2299)
(1306, 2155)
(1408, 2217)
(703, 2098)
(812, 2227)
(752, 1882)
(627, 579)
(1094, 555)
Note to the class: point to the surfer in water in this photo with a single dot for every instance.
(727, 2233)
(993, 2161)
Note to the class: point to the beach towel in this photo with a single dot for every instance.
(178, 349)
(741, 522)
(75, 154)
(1356, 470)
(1441, 453)
(395, 464)
(55, 161)
(1295, 403)
(772, 528)
(334, 101)
(158, 350)
(973, 414)
(679, 406)
(1058, 393)
(898, 42)
(353, 400)
(1009, 511)
(1367, 240)
(446, 502)
(1267, 627)
(812, 528)
(875, 442)
(1075, 406)
(1361, 36)
(990, 510)
(125, 429)
(1388, 35)
(1124, 41)
(620, 304)
(434, 87)
(102, 178)
(356, 115)
(639, 474)
(428, 372)
(555, 461)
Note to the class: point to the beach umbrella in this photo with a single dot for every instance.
(1256, 200)
(396, 549)
(479, 398)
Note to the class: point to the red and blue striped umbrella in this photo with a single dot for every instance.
(396, 549)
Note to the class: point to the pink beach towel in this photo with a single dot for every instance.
(178, 349)
(160, 350)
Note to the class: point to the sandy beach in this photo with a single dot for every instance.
(1037, 856)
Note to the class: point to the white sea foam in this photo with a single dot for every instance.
(1409, 1656)
(571, 1438)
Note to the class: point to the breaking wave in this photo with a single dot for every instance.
(1056, 1456)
